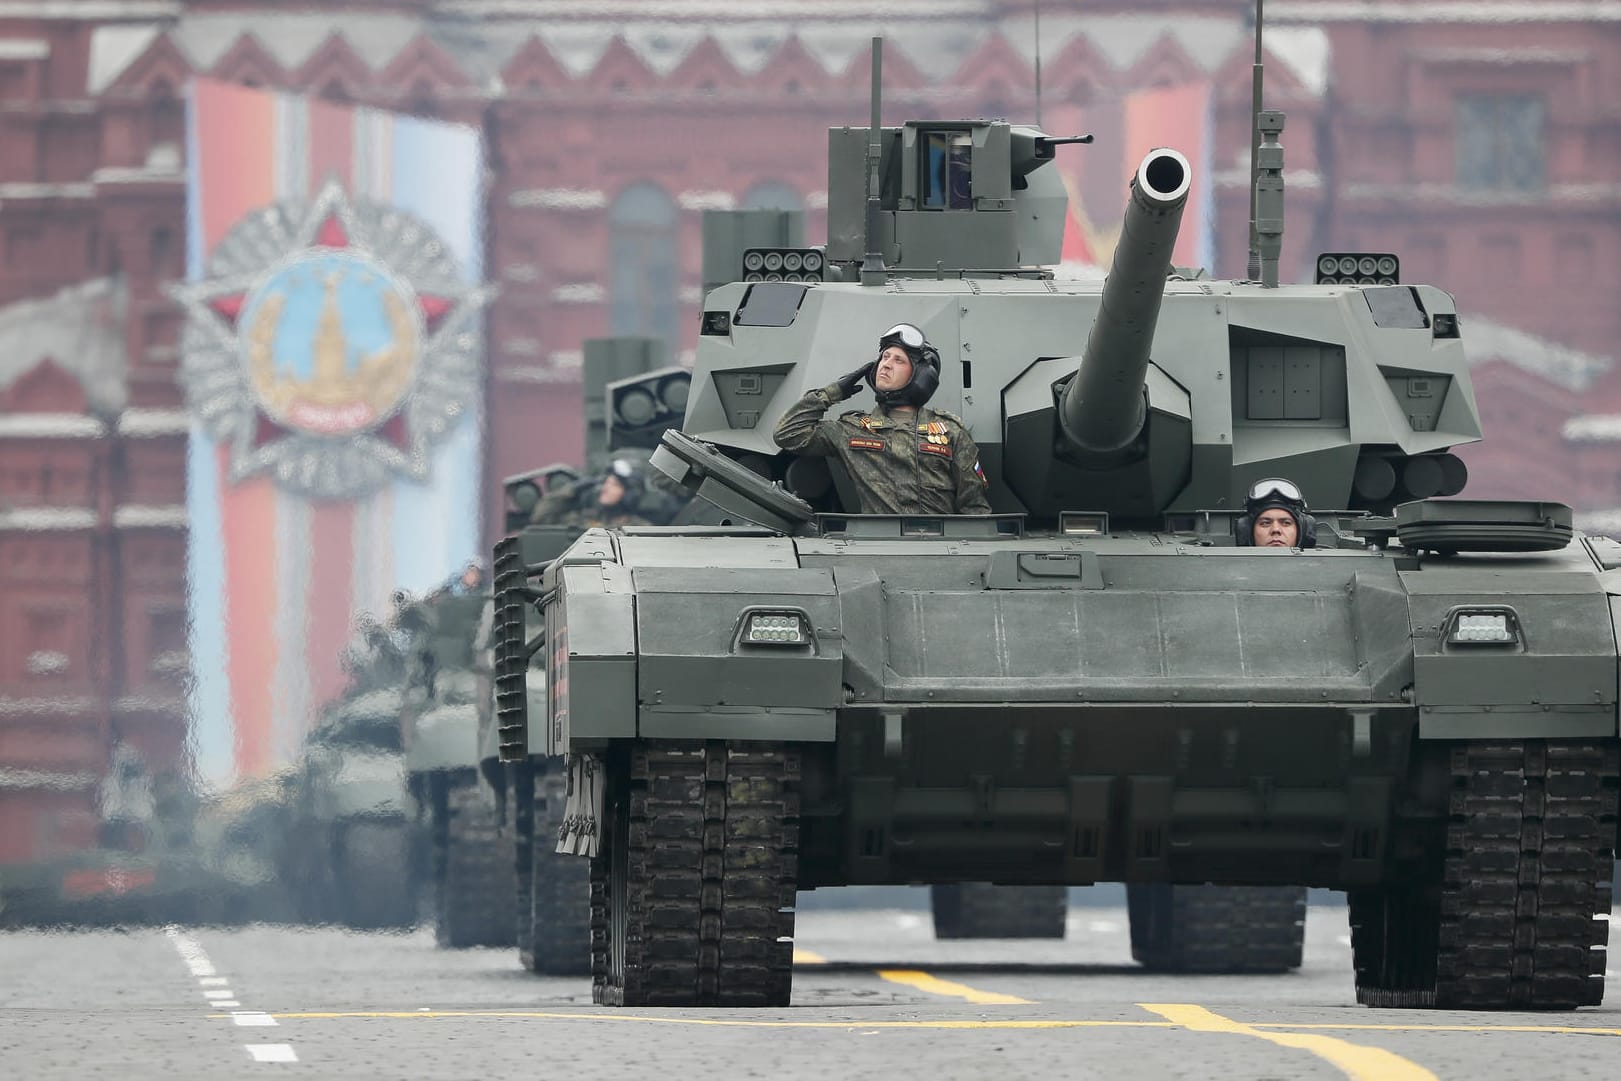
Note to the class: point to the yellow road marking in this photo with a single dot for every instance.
(806, 957)
(1355, 1061)
(1563, 1030)
(933, 985)
(719, 1022)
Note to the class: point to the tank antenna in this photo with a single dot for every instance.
(1038, 63)
(1254, 269)
(872, 267)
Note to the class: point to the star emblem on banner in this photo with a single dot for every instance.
(331, 344)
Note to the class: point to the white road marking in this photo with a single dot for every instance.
(202, 969)
(271, 1052)
(213, 981)
(253, 1019)
(1102, 927)
(226, 1003)
(218, 994)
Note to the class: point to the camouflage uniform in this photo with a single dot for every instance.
(566, 508)
(922, 463)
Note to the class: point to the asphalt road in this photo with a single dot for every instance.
(874, 996)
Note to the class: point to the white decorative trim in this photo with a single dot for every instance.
(1485, 340)
(706, 200)
(146, 703)
(520, 272)
(54, 705)
(521, 347)
(579, 293)
(42, 519)
(23, 48)
(145, 422)
(558, 199)
(29, 190)
(47, 779)
(1452, 11)
(569, 359)
(136, 516)
(46, 662)
(140, 174)
(1593, 428)
(50, 426)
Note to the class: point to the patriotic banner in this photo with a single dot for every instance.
(1099, 175)
(333, 364)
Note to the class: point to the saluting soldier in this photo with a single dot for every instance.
(903, 458)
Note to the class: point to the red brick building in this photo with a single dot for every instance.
(1478, 139)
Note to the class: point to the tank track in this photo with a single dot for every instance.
(1505, 918)
(1217, 929)
(474, 889)
(981, 910)
(692, 892)
(559, 914)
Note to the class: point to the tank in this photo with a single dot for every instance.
(1098, 682)
(448, 697)
(352, 855)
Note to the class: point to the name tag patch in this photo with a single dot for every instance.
(860, 443)
(943, 449)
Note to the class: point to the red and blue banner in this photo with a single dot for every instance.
(333, 364)
(1098, 175)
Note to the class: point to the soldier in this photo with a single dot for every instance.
(610, 500)
(902, 457)
(1275, 516)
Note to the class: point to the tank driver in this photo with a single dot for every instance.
(903, 457)
(612, 499)
(1275, 516)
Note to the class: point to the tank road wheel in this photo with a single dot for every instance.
(559, 917)
(1507, 916)
(1216, 928)
(694, 885)
(473, 902)
(981, 910)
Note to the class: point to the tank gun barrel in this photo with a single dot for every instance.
(1103, 409)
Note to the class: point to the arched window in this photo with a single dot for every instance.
(771, 195)
(167, 118)
(645, 272)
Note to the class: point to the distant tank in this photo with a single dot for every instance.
(448, 698)
(1099, 682)
(351, 854)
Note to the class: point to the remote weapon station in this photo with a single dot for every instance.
(1103, 681)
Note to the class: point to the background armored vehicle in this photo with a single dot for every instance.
(352, 852)
(630, 399)
(448, 695)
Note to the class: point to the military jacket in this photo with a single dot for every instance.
(900, 463)
(563, 508)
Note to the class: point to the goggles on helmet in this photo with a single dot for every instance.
(909, 335)
(622, 469)
(1276, 488)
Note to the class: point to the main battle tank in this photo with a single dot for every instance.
(448, 696)
(1099, 682)
(351, 845)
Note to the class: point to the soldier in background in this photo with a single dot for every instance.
(903, 457)
(612, 499)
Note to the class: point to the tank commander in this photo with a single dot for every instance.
(1275, 516)
(612, 499)
(903, 457)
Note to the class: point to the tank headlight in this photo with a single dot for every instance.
(1492, 627)
(775, 629)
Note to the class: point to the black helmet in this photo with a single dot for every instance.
(925, 367)
(1277, 493)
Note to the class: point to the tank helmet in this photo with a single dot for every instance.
(1277, 493)
(925, 360)
(630, 478)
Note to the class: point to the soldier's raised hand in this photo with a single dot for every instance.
(849, 384)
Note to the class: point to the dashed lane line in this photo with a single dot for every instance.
(272, 1052)
(933, 985)
(1355, 1061)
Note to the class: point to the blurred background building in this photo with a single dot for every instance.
(1478, 139)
